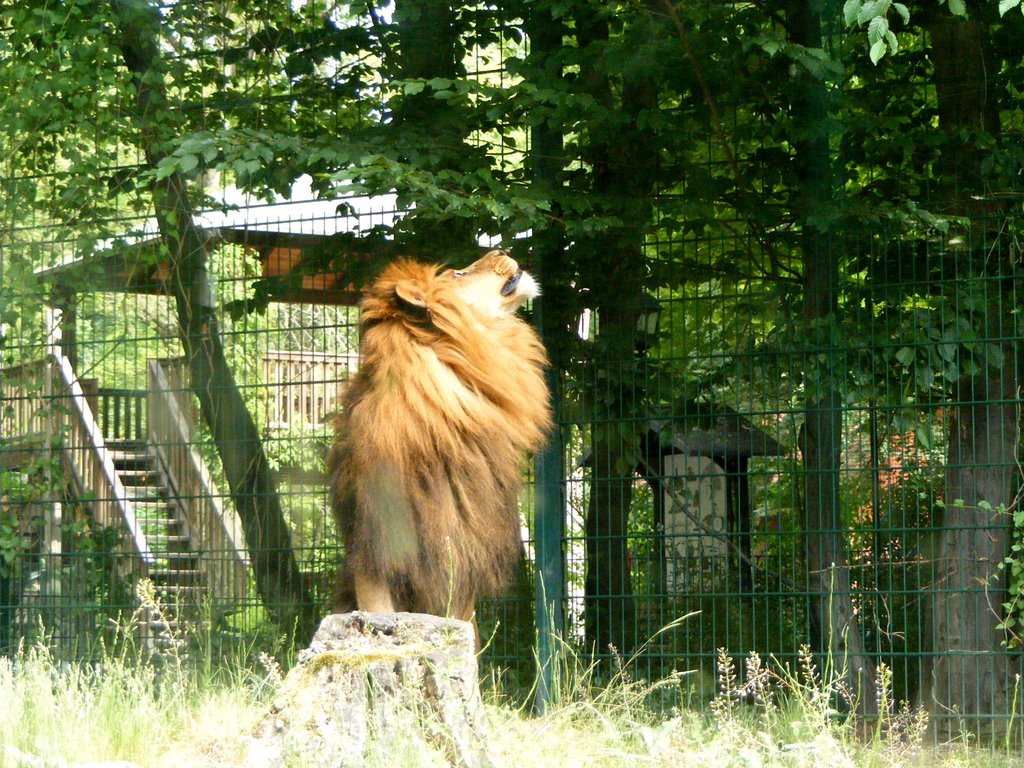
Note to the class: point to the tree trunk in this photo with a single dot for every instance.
(964, 75)
(610, 616)
(376, 685)
(433, 131)
(835, 633)
(623, 179)
(234, 432)
(971, 675)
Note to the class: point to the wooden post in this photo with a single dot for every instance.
(54, 520)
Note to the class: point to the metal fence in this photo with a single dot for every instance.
(711, 551)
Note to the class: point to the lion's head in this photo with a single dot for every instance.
(494, 285)
(426, 466)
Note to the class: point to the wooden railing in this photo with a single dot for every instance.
(214, 530)
(121, 413)
(92, 465)
(304, 385)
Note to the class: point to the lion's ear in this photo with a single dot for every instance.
(410, 297)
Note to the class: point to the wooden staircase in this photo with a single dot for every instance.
(131, 457)
(178, 581)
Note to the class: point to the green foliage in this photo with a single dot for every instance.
(324, 113)
(16, 491)
(875, 14)
(1013, 566)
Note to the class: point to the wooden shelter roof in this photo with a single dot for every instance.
(308, 249)
(140, 267)
(717, 432)
(702, 429)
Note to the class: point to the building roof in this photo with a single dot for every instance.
(310, 244)
(716, 431)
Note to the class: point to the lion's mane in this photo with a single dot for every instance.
(425, 467)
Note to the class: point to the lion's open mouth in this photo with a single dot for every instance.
(511, 283)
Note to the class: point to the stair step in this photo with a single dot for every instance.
(159, 573)
(124, 461)
(126, 441)
(179, 583)
(127, 446)
(170, 541)
(143, 493)
(156, 510)
(169, 625)
(180, 557)
(157, 504)
(164, 532)
(186, 593)
(188, 570)
(139, 476)
(156, 521)
(176, 579)
(180, 600)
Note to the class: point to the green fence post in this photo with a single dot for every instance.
(549, 577)
(545, 165)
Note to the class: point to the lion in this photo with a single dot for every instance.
(425, 467)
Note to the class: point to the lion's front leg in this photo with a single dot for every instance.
(373, 594)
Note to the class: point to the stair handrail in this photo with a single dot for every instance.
(92, 464)
(215, 529)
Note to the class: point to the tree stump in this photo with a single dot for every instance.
(381, 679)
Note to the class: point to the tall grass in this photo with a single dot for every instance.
(766, 717)
(132, 705)
(119, 709)
(174, 712)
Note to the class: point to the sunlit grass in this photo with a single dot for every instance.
(119, 709)
(173, 712)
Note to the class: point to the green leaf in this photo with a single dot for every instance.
(850, 9)
(877, 29)
(905, 355)
(866, 13)
(165, 168)
(1006, 5)
(958, 8)
(187, 163)
(903, 11)
(877, 51)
